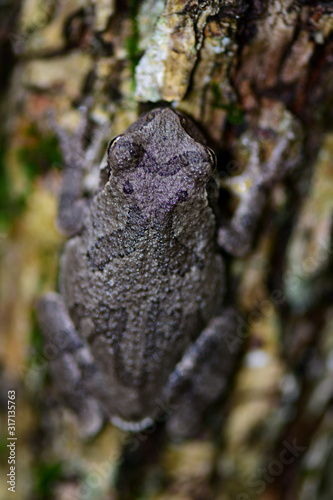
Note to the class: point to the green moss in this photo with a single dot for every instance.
(5, 194)
(11, 205)
(36, 338)
(42, 154)
(235, 114)
(46, 475)
(36, 158)
(217, 95)
(132, 43)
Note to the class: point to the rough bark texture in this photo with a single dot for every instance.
(248, 73)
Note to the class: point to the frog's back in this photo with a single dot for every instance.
(143, 278)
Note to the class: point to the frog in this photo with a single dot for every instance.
(140, 329)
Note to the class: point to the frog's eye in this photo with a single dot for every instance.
(151, 115)
(212, 157)
(112, 143)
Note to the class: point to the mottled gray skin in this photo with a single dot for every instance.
(138, 330)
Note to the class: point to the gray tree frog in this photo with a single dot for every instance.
(139, 326)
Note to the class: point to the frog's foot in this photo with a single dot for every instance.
(74, 372)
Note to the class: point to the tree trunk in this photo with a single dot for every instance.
(250, 74)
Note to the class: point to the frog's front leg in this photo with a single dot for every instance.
(78, 159)
(72, 205)
(72, 366)
(254, 185)
(202, 375)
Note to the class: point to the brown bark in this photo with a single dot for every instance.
(248, 73)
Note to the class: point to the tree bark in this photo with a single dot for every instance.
(250, 74)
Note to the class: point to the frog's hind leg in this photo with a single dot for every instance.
(202, 376)
(74, 372)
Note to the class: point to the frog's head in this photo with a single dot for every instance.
(160, 160)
